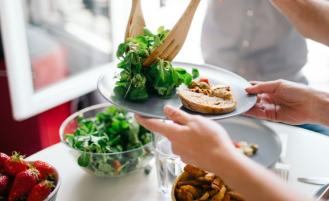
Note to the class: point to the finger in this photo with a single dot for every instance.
(176, 149)
(259, 98)
(176, 115)
(159, 126)
(267, 98)
(264, 87)
(257, 111)
(262, 111)
(264, 98)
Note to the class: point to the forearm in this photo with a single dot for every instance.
(310, 17)
(320, 112)
(255, 182)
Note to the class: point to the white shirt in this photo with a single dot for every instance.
(253, 39)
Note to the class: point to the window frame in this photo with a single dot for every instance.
(25, 101)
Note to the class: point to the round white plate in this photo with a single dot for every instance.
(153, 107)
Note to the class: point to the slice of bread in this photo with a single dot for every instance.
(205, 104)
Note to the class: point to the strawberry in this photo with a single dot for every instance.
(3, 158)
(23, 183)
(41, 191)
(15, 164)
(4, 184)
(46, 170)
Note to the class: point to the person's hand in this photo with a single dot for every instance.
(197, 140)
(283, 101)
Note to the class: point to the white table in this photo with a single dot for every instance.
(307, 154)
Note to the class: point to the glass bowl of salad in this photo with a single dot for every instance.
(106, 141)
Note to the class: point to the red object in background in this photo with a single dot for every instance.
(41, 131)
(30, 135)
(49, 123)
(50, 67)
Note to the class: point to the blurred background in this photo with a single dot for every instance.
(66, 40)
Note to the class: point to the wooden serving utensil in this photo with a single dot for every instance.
(176, 38)
(136, 21)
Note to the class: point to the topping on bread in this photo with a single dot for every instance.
(204, 98)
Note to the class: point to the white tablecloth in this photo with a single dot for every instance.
(306, 153)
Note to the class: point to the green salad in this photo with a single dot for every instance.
(136, 82)
(100, 139)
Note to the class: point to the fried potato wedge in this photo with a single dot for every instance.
(195, 184)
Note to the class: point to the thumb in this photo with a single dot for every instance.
(264, 87)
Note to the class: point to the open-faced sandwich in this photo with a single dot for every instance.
(207, 99)
(197, 184)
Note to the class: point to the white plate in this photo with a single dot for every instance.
(154, 106)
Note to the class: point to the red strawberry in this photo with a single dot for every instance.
(16, 164)
(41, 191)
(45, 169)
(3, 158)
(4, 184)
(23, 183)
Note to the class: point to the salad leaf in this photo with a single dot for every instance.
(195, 73)
(84, 159)
(164, 78)
(161, 78)
(110, 131)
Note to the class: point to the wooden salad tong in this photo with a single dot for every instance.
(136, 21)
(175, 39)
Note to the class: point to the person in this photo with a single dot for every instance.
(310, 17)
(288, 102)
(209, 145)
(210, 148)
(252, 38)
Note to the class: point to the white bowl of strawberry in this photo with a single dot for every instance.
(22, 180)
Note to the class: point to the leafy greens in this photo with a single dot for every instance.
(137, 83)
(110, 131)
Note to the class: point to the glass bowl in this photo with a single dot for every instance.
(113, 164)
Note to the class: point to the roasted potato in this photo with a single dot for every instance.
(220, 195)
(195, 184)
(194, 171)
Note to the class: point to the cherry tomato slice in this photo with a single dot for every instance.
(237, 144)
(204, 80)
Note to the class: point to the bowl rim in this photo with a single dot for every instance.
(56, 189)
(174, 185)
(87, 109)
